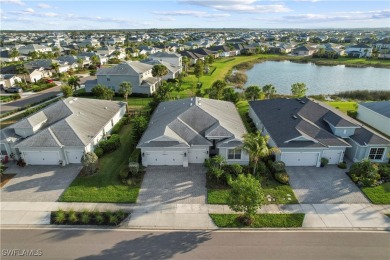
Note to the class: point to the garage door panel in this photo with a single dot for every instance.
(333, 156)
(74, 156)
(165, 158)
(300, 159)
(42, 158)
(197, 156)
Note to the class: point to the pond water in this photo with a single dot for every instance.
(318, 79)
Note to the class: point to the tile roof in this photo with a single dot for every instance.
(126, 68)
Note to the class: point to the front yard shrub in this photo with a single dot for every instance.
(278, 166)
(342, 165)
(133, 168)
(352, 113)
(90, 162)
(59, 216)
(72, 216)
(233, 169)
(99, 152)
(87, 217)
(365, 173)
(123, 174)
(282, 177)
(261, 168)
(324, 161)
(135, 156)
(384, 171)
(110, 144)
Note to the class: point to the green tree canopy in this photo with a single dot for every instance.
(103, 92)
(299, 89)
(253, 92)
(159, 71)
(199, 68)
(125, 88)
(67, 91)
(216, 89)
(246, 195)
(269, 90)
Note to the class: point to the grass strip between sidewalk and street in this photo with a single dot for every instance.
(261, 220)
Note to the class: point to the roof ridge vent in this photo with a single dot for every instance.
(294, 116)
(302, 102)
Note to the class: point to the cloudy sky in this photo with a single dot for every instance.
(88, 14)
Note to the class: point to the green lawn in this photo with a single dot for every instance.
(105, 185)
(243, 108)
(277, 193)
(344, 106)
(379, 194)
(261, 220)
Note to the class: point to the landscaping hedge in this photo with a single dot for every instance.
(118, 126)
(86, 217)
(135, 156)
(110, 144)
(37, 88)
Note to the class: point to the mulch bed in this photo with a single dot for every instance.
(4, 178)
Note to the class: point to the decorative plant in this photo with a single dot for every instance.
(324, 161)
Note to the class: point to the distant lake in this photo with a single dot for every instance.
(318, 79)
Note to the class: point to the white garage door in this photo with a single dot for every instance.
(332, 155)
(165, 158)
(74, 156)
(42, 158)
(197, 156)
(300, 159)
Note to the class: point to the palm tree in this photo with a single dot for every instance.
(253, 92)
(185, 61)
(256, 146)
(80, 63)
(299, 89)
(159, 71)
(55, 66)
(269, 90)
(74, 81)
(125, 88)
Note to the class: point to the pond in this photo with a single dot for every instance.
(318, 79)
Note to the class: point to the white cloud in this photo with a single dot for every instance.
(44, 6)
(341, 16)
(29, 10)
(191, 13)
(50, 14)
(244, 6)
(166, 19)
(16, 2)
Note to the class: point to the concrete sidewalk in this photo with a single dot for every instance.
(195, 216)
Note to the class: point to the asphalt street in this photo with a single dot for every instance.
(131, 244)
(52, 92)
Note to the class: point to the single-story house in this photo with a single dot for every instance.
(359, 50)
(376, 114)
(306, 131)
(8, 80)
(62, 132)
(303, 51)
(191, 130)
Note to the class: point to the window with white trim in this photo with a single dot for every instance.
(234, 154)
(376, 153)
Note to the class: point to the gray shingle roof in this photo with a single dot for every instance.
(286, 119)
(126, 68)
(71, 122)
(381, 107)
(190, 119)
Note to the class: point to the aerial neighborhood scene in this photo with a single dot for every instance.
(166, 129)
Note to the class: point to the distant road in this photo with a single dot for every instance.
(52, 92)
(128, 244)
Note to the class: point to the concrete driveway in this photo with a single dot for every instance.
(329, 185)
(173, 184)
(38, 183)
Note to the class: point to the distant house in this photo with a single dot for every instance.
(34, 48)
(5, 56)
(305, 131)
(303, 51)
(32, 75)
(376, 114)
(191, 130)
(173, 71)
(383, 44)
(105, 50)
(224, 51)
(62, 132)
(359, 51)
(137, 73)
(192, 56)
(8, 80)
(170, 57)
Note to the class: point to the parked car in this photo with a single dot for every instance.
(13, 90)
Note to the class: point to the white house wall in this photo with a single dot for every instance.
(374, 119)
(244, 156)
